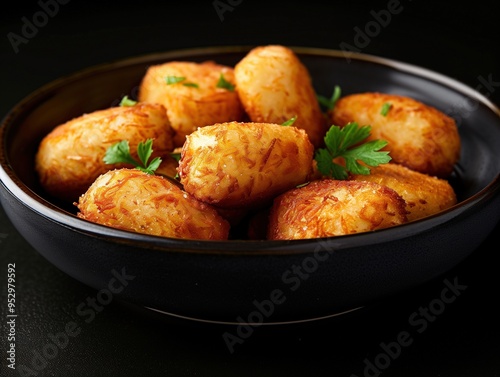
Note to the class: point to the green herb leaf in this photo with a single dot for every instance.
(120, 153)
(303, 184)
(385, 108)
(345, 143)
(127, 101)
(170, 80)
(290, 121)
(329, 103)
(224, 84)
(153, 165)
(144, 150)
(176, 156)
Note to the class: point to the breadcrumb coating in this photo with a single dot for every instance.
(130, 199)
(70, 157)
(329, 207)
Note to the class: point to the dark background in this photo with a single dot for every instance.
(461, 41)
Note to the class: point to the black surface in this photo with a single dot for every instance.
(461, 42)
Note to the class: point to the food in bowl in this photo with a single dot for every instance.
(194, 94)
(419, 136)
(237, 165)
(424, 194)
(235, 168)
(331, 207)
(70, 157)
(274, 86)
(134, 200)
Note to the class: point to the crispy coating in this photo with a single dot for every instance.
(236, 165)
(275, 86)
(191, 107)
(328, 207)
(425, 195)
(131, 200)
(70, 157)
(419, 136)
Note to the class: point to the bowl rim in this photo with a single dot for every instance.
(30, 199)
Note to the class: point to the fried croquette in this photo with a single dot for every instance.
(424, 194)
(194, 94)
(130, 199)
(419, 136)
(274, 86)
(237, 165)
(70, 157)
(329, 207)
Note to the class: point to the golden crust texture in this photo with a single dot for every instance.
(189, 107)
(275, 86)
(419, 136)
(425, 195)
(328, 207)
(129, 199)
(236, 165)
(70, 157)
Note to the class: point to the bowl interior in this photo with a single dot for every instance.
(103, 86)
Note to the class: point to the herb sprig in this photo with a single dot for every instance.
(224, 84)
(171, 80)
(290, 121)
(329, 103)
(120, 153)
(127, 102)
(385, 108)
(345, 143)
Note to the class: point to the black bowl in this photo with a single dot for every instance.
(254, 281)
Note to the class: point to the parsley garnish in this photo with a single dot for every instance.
(170, 80)
(289, 122)
(302, 184)
(385, 108)
(127, 101)
(344, 142)
(120, 153)
(224, 84)
(176, 156)
(329, 103)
